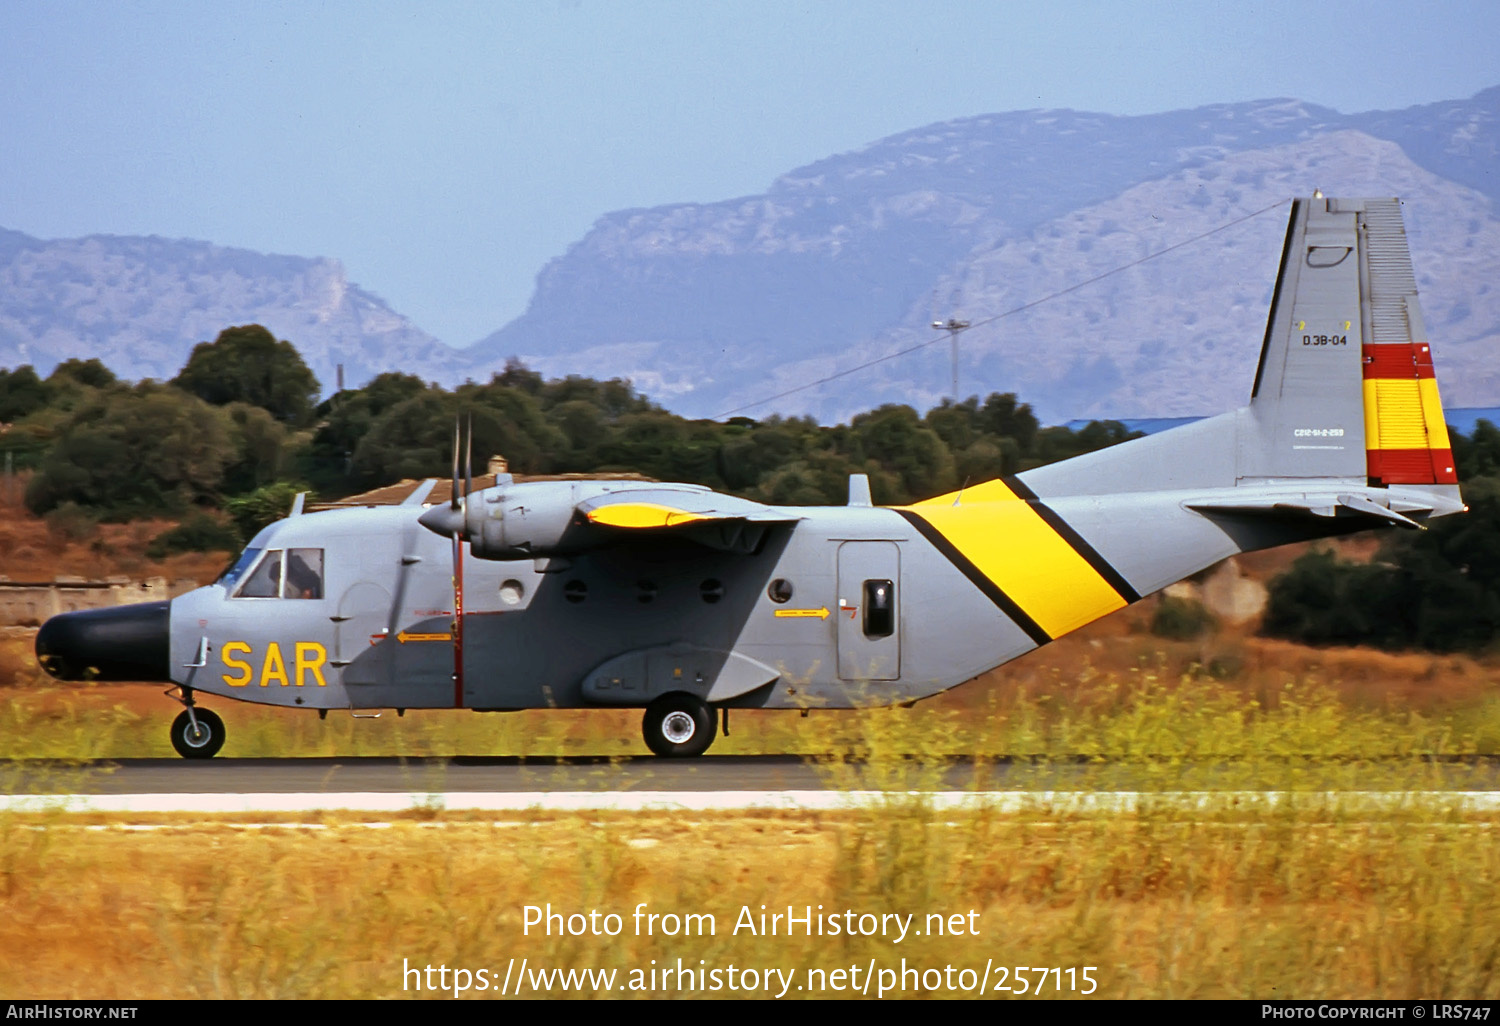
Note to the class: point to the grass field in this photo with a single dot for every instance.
(1255, 904)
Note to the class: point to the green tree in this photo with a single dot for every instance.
(663, 445)
(508, 421)
(1437, 589)
(261, 507)
(413, 439)
(583, 425)
(986, 460)
(957, 424)
(614, 398)
(819, 478)
(1477, 454)
(1063, 443)
(1447, 578)
(70, 383)
(142, 451)
(328, 459)
(200, 532)
(262, 448)
(749, 453)
(518, 376)
(21, 393)
(1004, 416)
(247, 364)
(895, 439)
(91, 373)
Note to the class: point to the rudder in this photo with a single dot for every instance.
(1406, 438)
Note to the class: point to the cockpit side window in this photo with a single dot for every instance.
(286, 573)
(304, 574)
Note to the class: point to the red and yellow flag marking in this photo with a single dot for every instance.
(1406, 439)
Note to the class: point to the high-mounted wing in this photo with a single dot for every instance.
(708, 518)
(649, 508)
(553, 518)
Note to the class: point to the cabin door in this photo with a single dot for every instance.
(869, 631)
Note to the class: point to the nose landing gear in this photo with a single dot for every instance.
(196, 733)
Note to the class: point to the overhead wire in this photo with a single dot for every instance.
(1008, 313)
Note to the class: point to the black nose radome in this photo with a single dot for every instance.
(115, 643)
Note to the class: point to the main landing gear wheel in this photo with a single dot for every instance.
(678, 725)
(202, 743)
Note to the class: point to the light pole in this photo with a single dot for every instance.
(952, 326)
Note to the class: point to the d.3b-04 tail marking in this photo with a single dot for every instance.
(682, 601)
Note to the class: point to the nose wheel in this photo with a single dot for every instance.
(197, 733)
(678, 725)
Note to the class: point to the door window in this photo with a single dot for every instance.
(880, 609)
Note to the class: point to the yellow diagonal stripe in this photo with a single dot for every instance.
(642, 514)
(990, 491)
(1015, 548)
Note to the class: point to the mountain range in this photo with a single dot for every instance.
(1041, 228)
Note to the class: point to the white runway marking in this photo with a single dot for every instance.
(1007, 802)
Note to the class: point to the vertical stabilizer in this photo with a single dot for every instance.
(1343, 431)
(1344, 389)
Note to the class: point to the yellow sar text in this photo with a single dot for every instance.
(307, 660)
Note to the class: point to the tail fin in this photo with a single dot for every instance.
(1343, 432)
(1346, 358)
(1344, 393)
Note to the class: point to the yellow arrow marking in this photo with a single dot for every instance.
(404, 637)
(821, 614)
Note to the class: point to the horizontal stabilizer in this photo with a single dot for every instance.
(1303, 504)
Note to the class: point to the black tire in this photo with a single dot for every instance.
(679, 725)
(204, 745)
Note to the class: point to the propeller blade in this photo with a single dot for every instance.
(469, 460)
(453, 494)
(459, 533)
(458, 622)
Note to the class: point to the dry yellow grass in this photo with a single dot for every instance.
(1257, 905)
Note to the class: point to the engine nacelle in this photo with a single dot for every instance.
(531, 520)
(522, 521)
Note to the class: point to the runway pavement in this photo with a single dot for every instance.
(723, 782)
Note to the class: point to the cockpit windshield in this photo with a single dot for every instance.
(231, 576)
(284, 573)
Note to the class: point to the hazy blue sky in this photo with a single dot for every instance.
(446, 151)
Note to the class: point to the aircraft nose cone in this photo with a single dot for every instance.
(115, 643)
(443, 520)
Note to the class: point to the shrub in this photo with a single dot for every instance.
(1182, 619)
(198, 533)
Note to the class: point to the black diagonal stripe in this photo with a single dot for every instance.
(990, 588)
(1276, 298)
(1102, 566)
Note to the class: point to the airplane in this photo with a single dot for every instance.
(687, 603)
